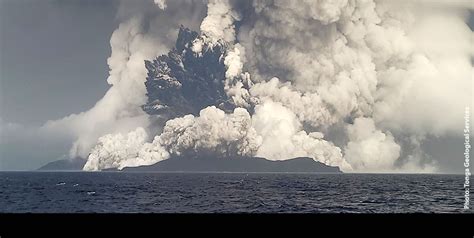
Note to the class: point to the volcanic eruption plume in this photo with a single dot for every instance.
(342, 82)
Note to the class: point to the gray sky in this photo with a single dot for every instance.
(53, 63)
(53, 57)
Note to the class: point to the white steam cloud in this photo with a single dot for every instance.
(294, 69)
(120, 151)
(284, 137)
(219, 22)
(161, 4)
(213, 132)
(369, 149)
(119, 110)
(142, 36)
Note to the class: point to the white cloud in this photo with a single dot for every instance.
(394, 69)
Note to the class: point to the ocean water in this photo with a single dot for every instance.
(113, 192)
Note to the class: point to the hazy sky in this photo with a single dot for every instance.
(53, 63)
(53, 57)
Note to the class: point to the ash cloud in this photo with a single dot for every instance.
(270, 78)
(146, 31)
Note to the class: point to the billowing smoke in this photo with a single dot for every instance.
(219, 22)
(284, 137)
(161, 4)
(213, 132)
(146, 32)
(370, 149)
(273, 78)
(120, 151)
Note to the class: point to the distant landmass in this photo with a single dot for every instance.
(237, 164)
(209, 164)
(65, 165)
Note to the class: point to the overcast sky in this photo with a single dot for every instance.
(53, 63)
(53, 57)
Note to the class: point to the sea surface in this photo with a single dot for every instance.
(115, 192)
